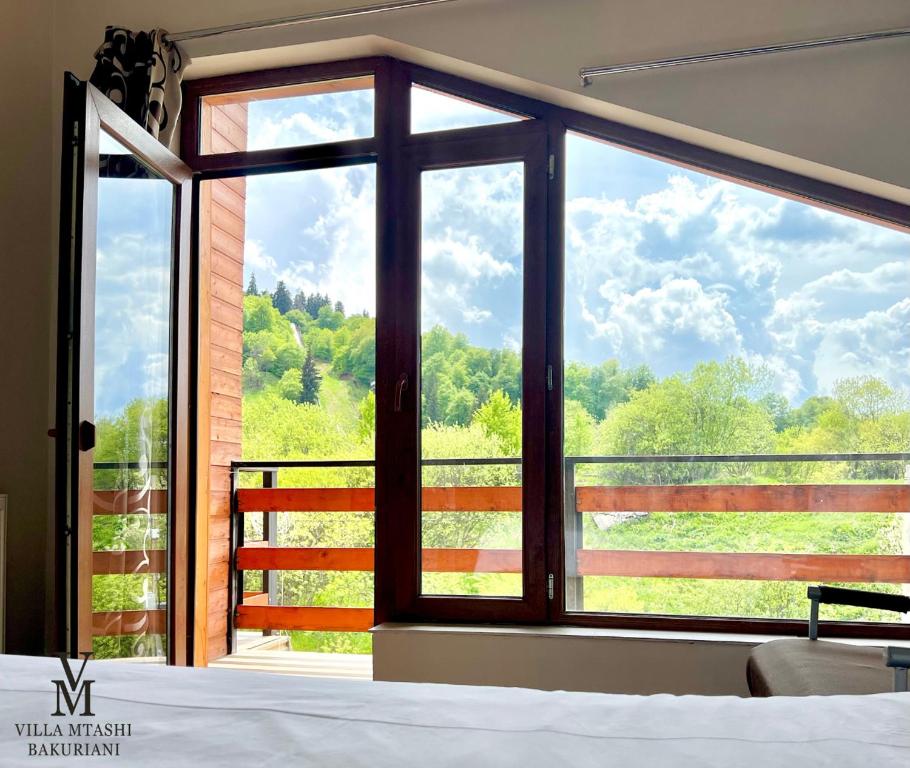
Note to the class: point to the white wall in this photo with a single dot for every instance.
(26, 212)
(845, 107)
(839, 114)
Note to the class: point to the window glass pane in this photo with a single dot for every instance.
(435, 111)
(717, 322)
(471, 315)
(288, 116)
(133, 328)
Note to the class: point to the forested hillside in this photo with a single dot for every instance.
(308, 375)
(315, 366)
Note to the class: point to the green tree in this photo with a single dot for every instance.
(778, 409)
(309, 381)
(252, 376)
(290, 385)
(708, 411)
(579, 427)
(806, 415)
(339, 308)
(326, 317)
(281, 299)
(460, 408)
(259, 314)
(366, 423)
(500, 419)
(315, 302)
(252, 289)
(868, 397)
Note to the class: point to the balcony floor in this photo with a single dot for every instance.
(270, 654)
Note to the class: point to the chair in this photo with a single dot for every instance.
(810, 667)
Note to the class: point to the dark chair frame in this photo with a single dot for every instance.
(896, 657)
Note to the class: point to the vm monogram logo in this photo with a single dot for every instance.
(74, 688)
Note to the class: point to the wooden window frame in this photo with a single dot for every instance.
(393, 148)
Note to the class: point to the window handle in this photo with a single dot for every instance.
(400, 388)
(86, 436)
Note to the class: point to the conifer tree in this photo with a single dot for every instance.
(281, 299)
(309, 380)
(252, 289)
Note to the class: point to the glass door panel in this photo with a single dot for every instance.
(472, 277)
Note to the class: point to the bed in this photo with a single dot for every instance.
(201, 717)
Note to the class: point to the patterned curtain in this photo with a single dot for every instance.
(141, 72)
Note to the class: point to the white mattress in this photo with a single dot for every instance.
(201, 717)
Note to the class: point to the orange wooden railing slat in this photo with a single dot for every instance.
(744, 498)
(129, 561)
(361, 559)
(130, 502)
(866, 569)
(462, 499)
(107, 623)
(303, 619)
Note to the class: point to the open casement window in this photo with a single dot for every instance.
(123, 368)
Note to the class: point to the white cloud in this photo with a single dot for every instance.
(877, 343)
(313, 119)
(255, 257)
(465, 256)
(643, 323)
(132, 316)
(332, 250)
(702, 268)
(475, 314)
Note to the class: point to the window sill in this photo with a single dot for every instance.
(645, 635)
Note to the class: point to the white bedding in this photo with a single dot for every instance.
(201, 717)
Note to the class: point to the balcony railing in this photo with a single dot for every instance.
(129, 501)
(257, 609)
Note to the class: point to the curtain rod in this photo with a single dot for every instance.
(586, 73)
(288, 21)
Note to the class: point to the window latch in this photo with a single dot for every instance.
(550, 582)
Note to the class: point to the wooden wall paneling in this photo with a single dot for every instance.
(223, 128)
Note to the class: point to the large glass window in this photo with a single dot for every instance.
(735, 386)
(722, 344)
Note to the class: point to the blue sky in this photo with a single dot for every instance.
(132, 291)
(669, 267)
(664, 266)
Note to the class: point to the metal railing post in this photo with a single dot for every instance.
(235, 596)
(270, 536)
(574, 531)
